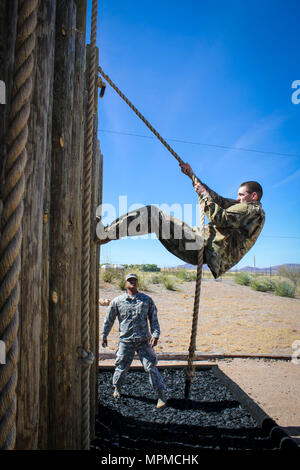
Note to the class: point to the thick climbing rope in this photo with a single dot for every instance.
(86, 356)
(190, 370)
(145, 121)
(12, 194)
(192, 348)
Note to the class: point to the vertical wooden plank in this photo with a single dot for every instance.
(31, 275)
(81, 6)
(50, 7)
(64, 243)
(77, 158)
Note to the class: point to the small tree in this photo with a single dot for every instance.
(290, 272)
(150, 268)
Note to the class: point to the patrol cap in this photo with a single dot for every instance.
(131, 275)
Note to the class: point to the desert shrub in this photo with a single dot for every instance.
(270, 284)
(260, 285)
(243, 278)
(168, 282)
(285, 289)
(121, 283)
(107, 275)
(193, 275)
(142, 267)
(156, 279)
(184, 275)
(143, 284)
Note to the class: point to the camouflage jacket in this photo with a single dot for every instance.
(233, 229)
(133, 313)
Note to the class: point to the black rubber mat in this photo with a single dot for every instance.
(210, 419)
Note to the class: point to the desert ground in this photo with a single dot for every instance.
(233, 319)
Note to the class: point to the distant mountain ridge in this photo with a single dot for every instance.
(252, 269)
(273, 269)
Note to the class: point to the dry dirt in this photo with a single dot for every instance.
(233, 319)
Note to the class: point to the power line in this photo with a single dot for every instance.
(223, 147)
(277, 236)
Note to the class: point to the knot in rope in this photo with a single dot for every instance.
(85, 357)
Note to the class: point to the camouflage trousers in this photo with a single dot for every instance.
(177, 237)
(147, 357)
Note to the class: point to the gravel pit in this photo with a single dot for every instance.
(210, 419)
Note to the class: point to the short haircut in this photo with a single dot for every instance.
(253, 187)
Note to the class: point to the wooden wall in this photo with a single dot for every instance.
(49, 372)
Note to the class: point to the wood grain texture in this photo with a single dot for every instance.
(32, 261)
(64, 240)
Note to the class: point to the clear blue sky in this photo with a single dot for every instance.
(217, 73)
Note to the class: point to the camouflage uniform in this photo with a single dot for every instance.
(133, 313)
(233, 229)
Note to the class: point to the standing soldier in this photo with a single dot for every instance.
(134, 310)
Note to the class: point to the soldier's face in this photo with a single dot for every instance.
(132, 284)
(245, 196)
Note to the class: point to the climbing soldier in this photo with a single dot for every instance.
(134, 310)
(233, 228)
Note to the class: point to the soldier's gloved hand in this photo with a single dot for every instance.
(104, 343)
(186, 169)
(153, 342)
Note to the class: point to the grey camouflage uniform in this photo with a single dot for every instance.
(134, 313)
